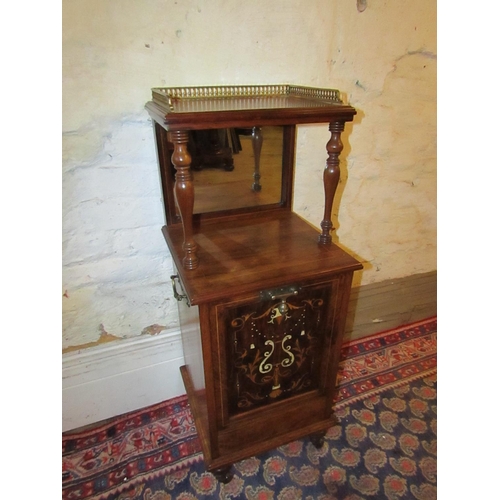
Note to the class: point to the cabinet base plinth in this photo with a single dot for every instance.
(233, 444)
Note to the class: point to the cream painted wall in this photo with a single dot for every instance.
(115, 265)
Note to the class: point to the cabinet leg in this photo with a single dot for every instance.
(223, 474)
(318, 439)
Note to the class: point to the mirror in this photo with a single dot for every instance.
(236, 168)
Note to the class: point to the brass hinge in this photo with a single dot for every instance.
(281, 293)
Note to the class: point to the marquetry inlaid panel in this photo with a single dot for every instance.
(275, 347)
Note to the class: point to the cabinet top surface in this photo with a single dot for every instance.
(294, 104)
(255, 253)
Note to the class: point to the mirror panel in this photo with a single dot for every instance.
(236, 168)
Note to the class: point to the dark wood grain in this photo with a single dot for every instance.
(254, 253)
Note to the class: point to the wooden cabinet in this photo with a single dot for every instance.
(262, 294)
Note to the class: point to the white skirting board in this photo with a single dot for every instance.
(109, 380)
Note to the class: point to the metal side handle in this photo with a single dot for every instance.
(178, 296)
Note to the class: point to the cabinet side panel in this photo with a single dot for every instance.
(342, 303)
(198, 377)
(191, 343)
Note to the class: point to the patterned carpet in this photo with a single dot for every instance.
(384, 447)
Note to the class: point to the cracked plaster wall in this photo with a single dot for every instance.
(382, 57)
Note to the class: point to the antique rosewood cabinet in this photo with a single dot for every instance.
(262, 294)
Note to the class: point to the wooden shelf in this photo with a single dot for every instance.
(254, 253)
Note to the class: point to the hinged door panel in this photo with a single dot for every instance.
(275, 345)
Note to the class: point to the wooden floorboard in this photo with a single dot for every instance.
(389, 304)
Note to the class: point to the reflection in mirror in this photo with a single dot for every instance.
(236, 168)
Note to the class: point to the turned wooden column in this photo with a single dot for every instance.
(331, 176)
(184, 194)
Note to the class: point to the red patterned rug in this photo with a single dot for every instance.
(384, 447)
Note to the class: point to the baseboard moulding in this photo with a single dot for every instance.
(122, 376)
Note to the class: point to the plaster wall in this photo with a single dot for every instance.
(115, 264)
